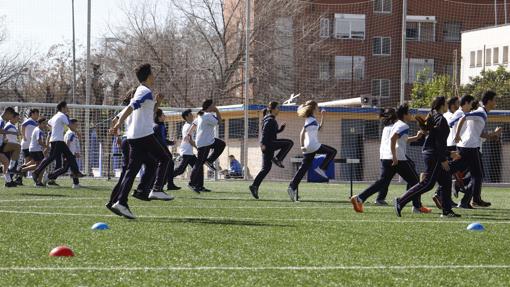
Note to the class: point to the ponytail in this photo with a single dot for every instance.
(428, 124)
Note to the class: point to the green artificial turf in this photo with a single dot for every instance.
(226, 238)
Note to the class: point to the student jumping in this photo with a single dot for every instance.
(311, 146)
(269, 144)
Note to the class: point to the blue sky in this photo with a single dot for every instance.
(38, 24)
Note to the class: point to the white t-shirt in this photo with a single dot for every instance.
(9, 127)
(311, 142)
(402, 129)
(72, 141)
(205, 129)
(37, 134)
(453, 122)
(58, 123)
(186, 148)
(474, 126)
(128, 120)
(29, 125)
(385, 147)
(142, 120)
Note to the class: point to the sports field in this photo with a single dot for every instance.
(226, 238)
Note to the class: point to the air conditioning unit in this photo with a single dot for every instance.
(369, 101)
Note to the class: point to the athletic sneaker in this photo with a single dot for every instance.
(194, 189)
(35, 177)
(254, 191)
(76, 186)
(480, 203)
(10, 184)
(173, 187)
(77, 175)
(422, 209)
(141, 195)
(123, 210)
(160, 195)
(437, 200)
(292, 193)
(398, 208)
(450, 214)
(277, 162)
(465, 206)
(19, 181)
(380, 202)
(210, 165)
(357, 204)
(40, 185)
(115, 211)
(321, 172)
(203, 189)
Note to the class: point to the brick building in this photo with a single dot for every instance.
(346, 48)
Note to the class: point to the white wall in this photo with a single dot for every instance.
(475, 40)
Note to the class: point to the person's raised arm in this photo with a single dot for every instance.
(458, 139)
(218, 114)
(417, 137)
(323, 114)
(302, 139)
(127, 112)
(492, 135)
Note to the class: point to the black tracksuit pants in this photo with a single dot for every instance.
(434, 173)
(308, 160)
(59, 149)
(284, 146)
(197, 174)
(187, 159)
(404, 168)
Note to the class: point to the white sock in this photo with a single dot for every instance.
(7, 177)
(12, 164)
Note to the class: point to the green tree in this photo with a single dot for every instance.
(497, 80)
(425, 89)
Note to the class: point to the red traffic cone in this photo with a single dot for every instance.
(62, 251)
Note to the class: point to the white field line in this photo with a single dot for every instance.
(251, 219)
(183, 207)
(255, 268)
(50, 199)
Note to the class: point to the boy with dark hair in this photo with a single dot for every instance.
(187, 144)
(143, 145)
(72, 141)
(469, 142)
(37, 147)
(12, 147)
(58, 147)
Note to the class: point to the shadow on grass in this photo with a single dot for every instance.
(44, 194)
(239, 199)
(212, 221)
(487, 217)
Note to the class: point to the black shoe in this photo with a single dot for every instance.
(254, 191)
(10, 184)
(77, 175)
(40, 185)
(173, 187)
(203, 189)
(437, 201)
(398, 208)
(194, 189)
(52, 182)
(35, 177)
(450, 214)
(138, 194)
(465, 206)
(481, 203)
(19, 181)
(277, 162)
(210, 165)
(115, 211)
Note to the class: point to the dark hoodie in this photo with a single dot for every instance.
(270, 129)
(435, 144)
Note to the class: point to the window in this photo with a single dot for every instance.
(472, 59)
(421, 28)
(382, 6)
(236, 128)
(382, 46)
(346, 69)
(505, 55)
(324, 70)
(495, 56)
(324, 28)
(488, 57)
(349, 26)
(381, 88)
(479, 58)
(419, 70)
(452, 32)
